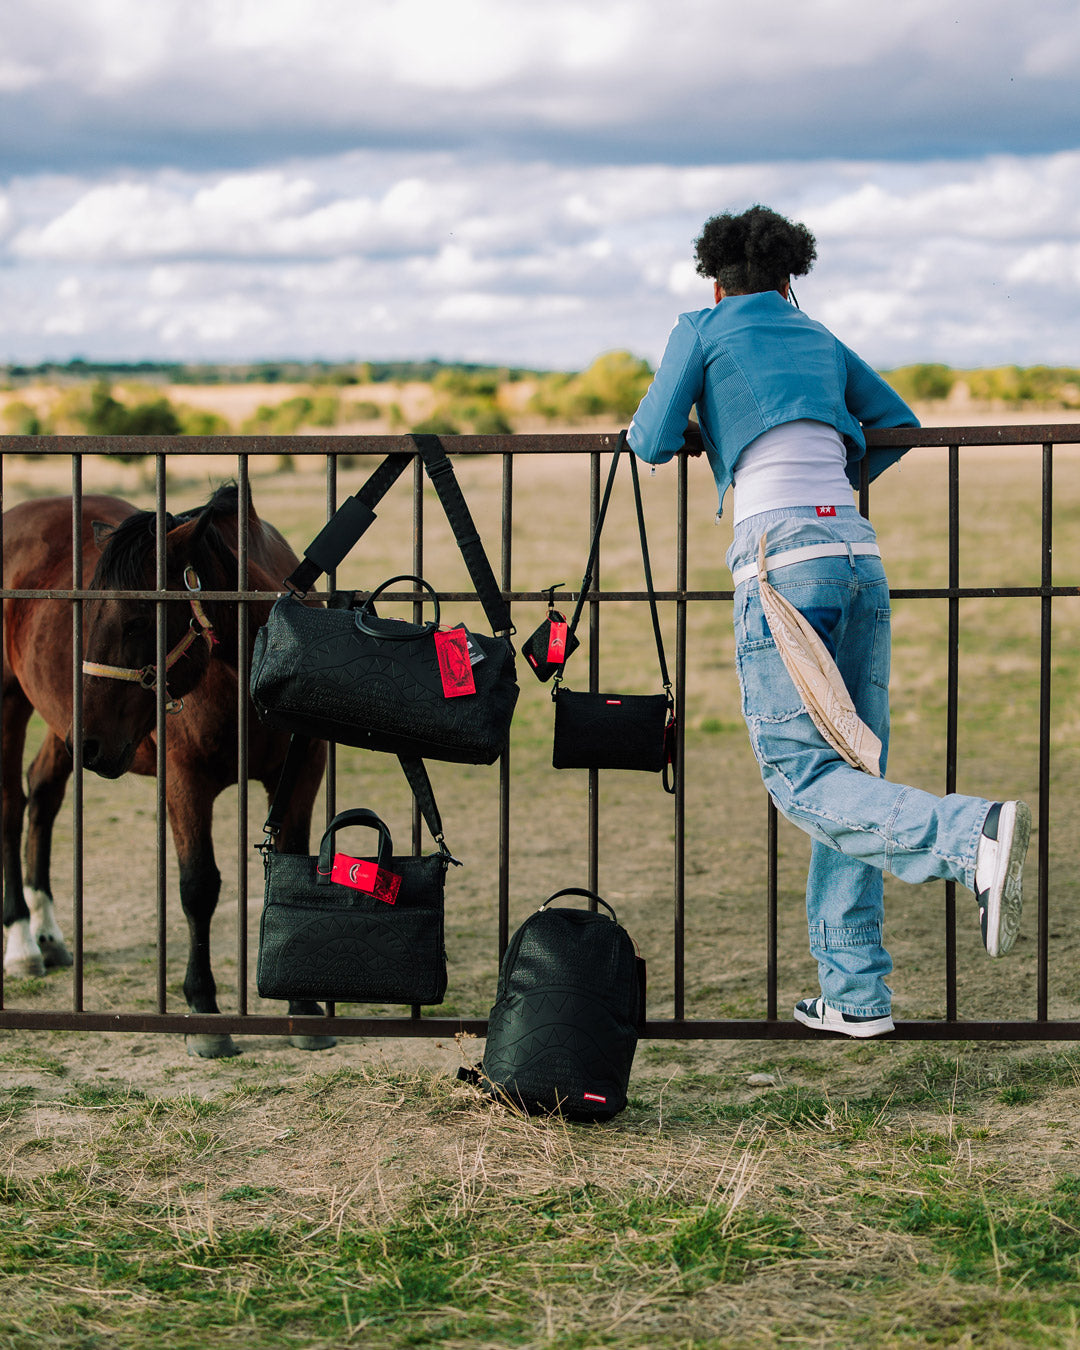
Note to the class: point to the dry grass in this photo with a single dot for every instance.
(386, 1207)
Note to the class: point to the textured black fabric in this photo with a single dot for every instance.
(564, 1027)
(313, 671)
(320, 940)
(609, 731)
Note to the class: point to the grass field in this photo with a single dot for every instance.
(877, 1194)
(937, 1203)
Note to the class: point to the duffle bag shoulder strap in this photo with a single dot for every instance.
(357, 513)
(416, 775)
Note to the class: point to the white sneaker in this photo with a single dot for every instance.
(816, 1013)
(999, 874)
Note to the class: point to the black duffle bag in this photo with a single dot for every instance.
(344, 674)
(569, 1005)
(413, 689)
(353, 930)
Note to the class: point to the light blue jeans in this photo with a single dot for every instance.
(860, 826)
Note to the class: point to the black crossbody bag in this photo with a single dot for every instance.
(343, 674)
(612, 730)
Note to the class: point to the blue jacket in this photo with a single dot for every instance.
(751, 363)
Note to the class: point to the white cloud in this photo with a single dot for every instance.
(231, 178)
(205, 83)
(396, 255)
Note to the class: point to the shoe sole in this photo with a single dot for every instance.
(1005, 898)
(860, 1030)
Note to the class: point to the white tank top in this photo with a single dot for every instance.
(796, 464)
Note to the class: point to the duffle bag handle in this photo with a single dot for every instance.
(359, 815)
(578, 890)
(396, 632)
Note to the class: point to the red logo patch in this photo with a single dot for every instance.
(825, 510)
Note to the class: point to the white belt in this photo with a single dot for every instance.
(798, 555)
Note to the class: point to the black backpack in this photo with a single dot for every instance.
(570, 1001)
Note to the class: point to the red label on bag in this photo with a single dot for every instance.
(825, 510)
(452, 649)
(556, 652)
(594, 1097)
(363, 875)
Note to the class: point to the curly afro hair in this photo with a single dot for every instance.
(757, 250)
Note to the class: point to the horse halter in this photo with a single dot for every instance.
(199, 627)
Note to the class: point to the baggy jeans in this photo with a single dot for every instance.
(860, 826)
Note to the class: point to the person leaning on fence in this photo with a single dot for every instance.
(781, 405)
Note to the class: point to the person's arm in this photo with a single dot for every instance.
(876, 404)
(659, 426)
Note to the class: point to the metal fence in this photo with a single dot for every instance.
(952, 441)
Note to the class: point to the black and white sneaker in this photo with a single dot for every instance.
(816, 1013)
(999, 874)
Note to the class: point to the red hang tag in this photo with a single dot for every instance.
(825, 510)
(556, 652)
(364, 875)
(452, 649)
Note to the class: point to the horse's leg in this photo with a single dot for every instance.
(47, 780)
(295, 837)
(23, 956)
(190, 803)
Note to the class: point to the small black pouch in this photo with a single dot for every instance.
(550, 645)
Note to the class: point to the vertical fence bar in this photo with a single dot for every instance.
(3, 605)
(330, 778)
(594, 676)
(681, 533)
(418, 605)
(951, 718)
(1045, 650)
(418, 617)
(507, 518)
(161, 815)
(77, 796)
(243, 660)
(771, 926)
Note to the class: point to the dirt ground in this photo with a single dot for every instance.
(725, 948)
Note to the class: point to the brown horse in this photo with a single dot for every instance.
(119, 704)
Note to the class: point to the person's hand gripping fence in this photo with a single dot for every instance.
(817, 679)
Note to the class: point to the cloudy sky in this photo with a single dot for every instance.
(521, 181)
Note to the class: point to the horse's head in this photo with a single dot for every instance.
(121, 666)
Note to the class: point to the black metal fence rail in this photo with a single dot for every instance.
(595, 446)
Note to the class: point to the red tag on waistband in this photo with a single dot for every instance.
(364, 875)
(452, 649)
(556, 652)
(825, 510)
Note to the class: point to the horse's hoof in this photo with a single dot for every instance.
(211, 1047)
(24, 967)
(313, 1042)
(54, 953)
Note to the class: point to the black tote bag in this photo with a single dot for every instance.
(323, 940)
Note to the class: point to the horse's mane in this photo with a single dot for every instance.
(122, 565)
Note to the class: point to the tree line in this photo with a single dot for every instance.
(464, 397)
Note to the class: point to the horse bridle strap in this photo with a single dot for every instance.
(199, 627)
